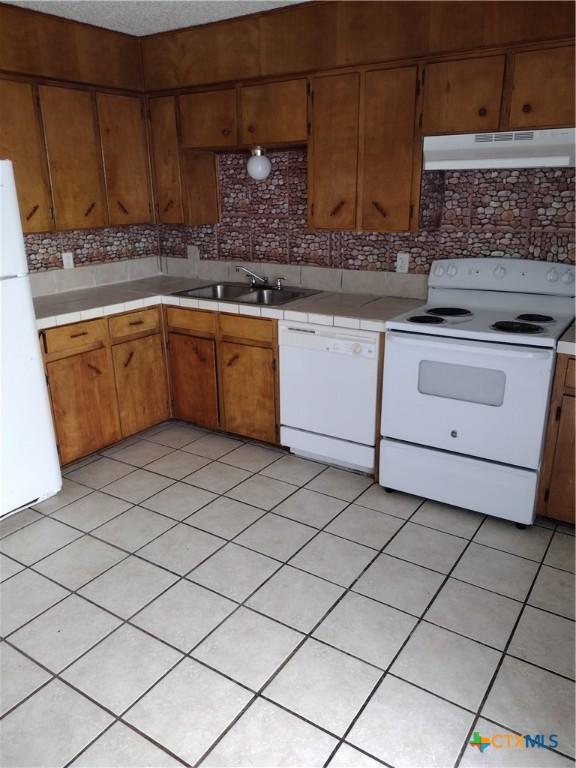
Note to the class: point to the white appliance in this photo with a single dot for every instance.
(328, 393)
(29, 467)
(467, 382)
(553, 148)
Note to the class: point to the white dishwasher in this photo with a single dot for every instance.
(329, 393)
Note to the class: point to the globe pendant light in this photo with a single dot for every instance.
(259, 165)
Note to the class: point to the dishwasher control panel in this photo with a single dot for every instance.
(355, 348)
(337, 341)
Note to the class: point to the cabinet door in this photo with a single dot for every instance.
(543, 89)
(83, 403)
(21, 142)
(209, 119)
(165, 159)
(274, 113)
(388, 148)
(333, 151)
(73, 158)
(461, 96)
(193, 379)
(125, 154)
(200, 184)
(561, 499)
(248, 390)
(141, 384)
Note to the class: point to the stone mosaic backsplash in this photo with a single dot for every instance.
(512, 213)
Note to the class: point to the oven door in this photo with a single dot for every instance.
(470, 397)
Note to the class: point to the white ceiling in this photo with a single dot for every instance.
(145, 17)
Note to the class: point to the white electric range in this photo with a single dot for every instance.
(467, 382)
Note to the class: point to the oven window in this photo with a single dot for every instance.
(462, 382)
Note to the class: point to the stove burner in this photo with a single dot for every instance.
(531, 318)
(425, 319)
(512, 326)
(449, 311)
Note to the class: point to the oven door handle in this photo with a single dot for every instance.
(481, 347)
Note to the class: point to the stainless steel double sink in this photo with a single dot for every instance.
(245, 294)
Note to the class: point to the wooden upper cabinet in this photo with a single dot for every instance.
(543, 89)
(165, 159)
(274, 113)
(298, 39)
(463, 96)
(333, 151)
(214, 53)
(387, 149)
(21, 142)
(73, 158)
(125, 156)
(208, 119)
(200, 186)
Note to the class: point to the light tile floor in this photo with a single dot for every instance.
(192, 598)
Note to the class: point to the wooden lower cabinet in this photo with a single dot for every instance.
(192, 362)
(84, 403)
(248, 390)
(141, 383)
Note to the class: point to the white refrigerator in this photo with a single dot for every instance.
(29, 467)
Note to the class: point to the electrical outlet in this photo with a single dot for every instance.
(68, 260)
(402, 262)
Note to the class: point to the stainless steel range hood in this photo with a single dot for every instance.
(552, 148)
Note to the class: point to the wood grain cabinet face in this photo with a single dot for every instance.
(333, 152)
(463, 96)
(125, 156)
(247, 377)
(543, 89)
(165, 159)
(562, 489)
(72, 147)
(141, 383)
(21, 142)
(274, 113)
(208, 119)
(84, 403)
(200, 184)
(193, 379)
(388, 148)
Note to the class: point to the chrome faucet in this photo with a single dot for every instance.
(253, 275)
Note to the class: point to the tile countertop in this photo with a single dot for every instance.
(346, 310)
(567, 343)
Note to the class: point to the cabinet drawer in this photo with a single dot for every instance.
(569, 382)
(122, 326)
(191, 320)
(75, 336)
(249, 328)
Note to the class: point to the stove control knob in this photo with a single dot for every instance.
(552, 276)
(452, 270)
(499, 272)
(568, 277)
(439, 270)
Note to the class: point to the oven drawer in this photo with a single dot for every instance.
(471, 397)
(482, 486)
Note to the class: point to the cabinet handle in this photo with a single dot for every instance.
(482, 111)
(94, 368)
(128, 359)
(526, 108)
(168, 205)
(32, 212)
(89, 210)
(232, 360)
(225, 131)
(251, 129)
(136, 322)
(122, 207)
(379, 208)
(77, 335)
(337, 208)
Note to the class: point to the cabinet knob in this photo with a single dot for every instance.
(482, 111)
(225, 131)
(526, 108)
(251, 129)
